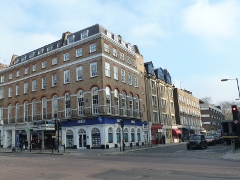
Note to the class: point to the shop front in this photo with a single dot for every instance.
(157, 133)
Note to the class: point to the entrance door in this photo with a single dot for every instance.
(82, 140)
(96, 140)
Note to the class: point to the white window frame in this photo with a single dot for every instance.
(67, 104)
(17, 90)
(123, 78)
(26, 70)
(55, 106)
(54, 80)
(84, 34)
(9, 91)
(122, 56)
(34, 85)
(66, 56)
(34, 67)
(44, 108)
(114, 52)
(115, 71)
(107, 69)
(136, 81)
(80, 102)
(128, 60)
(1, 93)
(93, 47)
(134, 63)
(18, 73)
(54, 61)
(78, 52)
(129, 78)
(66, 76)
(108, 100)
(2, 78)
(79, 73)
(44, 82)
(93, 69)
(10, 76)
(70, 39)
(44, 64)
(106, 47)
(25, 86)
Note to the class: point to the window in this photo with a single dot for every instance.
(130, 78)
(80, 102)
(110, 135)
(138, 135)
(70, 39)
(34, 110)
(17, 90)
(79, 52)
(66, 76)
(1, 93)
(54, 80)
(9, 113)
(18, 73)
(153, 85)
(26, 70)
(128, 60)
(40, 51)
(106, 47)
(84, 34)
(116, 101)
(66, 57)
(124, 104)
(132, 135)
(115, 69)
(55, 106)
(25, 91)
(95, 100)
(108, 100)
(10, 92)
(34, 85)
(137, 106)
(155, 117)
(93, 47)
(114, 52)
(44, 81)
(93, 69)
(25, 111)
(10, 76)
(35, 67)
(2, 78)
(79, 73)
(154, 100)
(126, 135)
(123, 75)
(118, 133)
(54, 61)
(134, 63)
(31, 55)
(23, 58)
(67, 104)
(49, 48)
(44, 64)
(121, 56)
(17, 112)
(1, 113)
(44, 108)
(107, 69)
(130, 105)
(136, 81)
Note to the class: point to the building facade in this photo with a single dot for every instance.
(89, 80)
(211, 116)
(187, 111)
(160, 103)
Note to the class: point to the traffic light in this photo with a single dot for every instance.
(235, 112)
(56, 124)
(59, 125)
(122, 123)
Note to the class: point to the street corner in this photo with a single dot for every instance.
(232, 155)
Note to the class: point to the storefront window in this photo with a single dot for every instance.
(69, 138)
(96, 138)
(126, 135)
(110, 135)
(118, 135)
(138, 135)
(132, 135)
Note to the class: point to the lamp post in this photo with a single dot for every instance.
(237, 85)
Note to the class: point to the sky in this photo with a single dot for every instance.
(197, 41)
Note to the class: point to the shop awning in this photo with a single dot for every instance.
(156, 126)
(176, 131)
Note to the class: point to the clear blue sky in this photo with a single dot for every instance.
(196, 40)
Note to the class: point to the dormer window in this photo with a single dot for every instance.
(84, 34)
(31, 55)
(23, 58)
(58, 45)
(108, 33)
(40, 51)
(49, 48)
(16, 61)
(70, 39)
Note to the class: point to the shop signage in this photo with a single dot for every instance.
(81, 121)
(43, 127)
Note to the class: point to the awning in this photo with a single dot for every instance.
(156, 126)
(176, 131)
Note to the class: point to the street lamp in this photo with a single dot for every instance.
(237, 85)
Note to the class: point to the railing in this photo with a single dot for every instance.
(137, 145)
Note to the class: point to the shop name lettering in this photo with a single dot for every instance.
(45, 126)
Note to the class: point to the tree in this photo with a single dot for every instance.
(207, 99)
(226, 107)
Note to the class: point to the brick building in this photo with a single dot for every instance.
(187, 111)
(89, 80)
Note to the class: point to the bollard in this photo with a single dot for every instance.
(233, 145)
(64, 148)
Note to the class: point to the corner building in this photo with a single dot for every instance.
(89, 80)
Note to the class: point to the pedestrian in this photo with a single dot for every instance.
(26, 144)
(163, 139)
(179, 137)
(55, 144)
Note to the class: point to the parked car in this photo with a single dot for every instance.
(197, 141)
(211, 140)
(218, 138)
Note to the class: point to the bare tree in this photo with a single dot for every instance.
(226, 107)
(207, 99)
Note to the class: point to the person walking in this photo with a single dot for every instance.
(26, 144)
(163, 139)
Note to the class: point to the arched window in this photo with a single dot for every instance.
(34, 110)
(55, 106)
(116, 101)
(118, 133)
(9, 113)
(130, 104)
(137, 107)
(80, 102)
(44, 108)
(17, 112)
(108, 100)
(110, 135)
(95, 100)
(69, 138)
(67, 104)
(124, 106)
(25, 111)
(138, 135)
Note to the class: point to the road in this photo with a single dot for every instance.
(173, 162)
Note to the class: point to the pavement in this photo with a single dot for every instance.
(230, 155)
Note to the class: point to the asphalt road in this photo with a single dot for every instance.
(168, 163)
